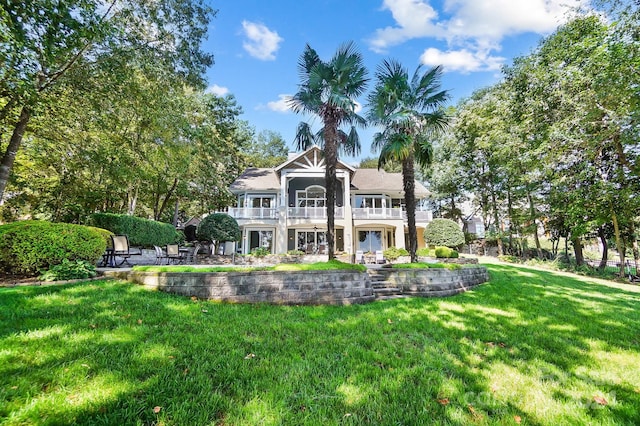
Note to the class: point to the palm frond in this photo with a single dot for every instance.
(305, 138)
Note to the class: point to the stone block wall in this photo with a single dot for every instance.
(293, 288)
(435, 282)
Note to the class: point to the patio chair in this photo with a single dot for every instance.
(173, 253)
(359, 256)
(160, 255)
(121, 248)
(380, 257)
(192, 254)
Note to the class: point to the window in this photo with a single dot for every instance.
(262, 202)
(369, 240)
(313, 196)
(260, 238)
(312, 241)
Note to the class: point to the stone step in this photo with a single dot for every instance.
(386, 291)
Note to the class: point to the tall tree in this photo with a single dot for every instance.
(411, 111)
(329, 89)
(46, 39)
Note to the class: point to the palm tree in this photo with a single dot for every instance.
(411, 114)
(329, 90)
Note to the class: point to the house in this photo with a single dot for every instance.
(284, 208)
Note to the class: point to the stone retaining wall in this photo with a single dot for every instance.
(294, 288)
(435, 282)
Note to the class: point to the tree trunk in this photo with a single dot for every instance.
(14, 145)
(577, 250)
(619, 243)
(176, 212)
(408, 180)
(497, 222)
(131, 211)
(331, 160)
(532, 216)
(605, 248)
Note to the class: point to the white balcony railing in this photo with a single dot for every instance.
(253, 212)
(377, 213)
(313, 212)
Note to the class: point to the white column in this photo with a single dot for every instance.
(400, 236)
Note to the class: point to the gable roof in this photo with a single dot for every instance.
(378, 180)
(256, 179)
(312, 158)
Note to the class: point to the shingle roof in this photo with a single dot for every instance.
(255, 179)
(379, 180)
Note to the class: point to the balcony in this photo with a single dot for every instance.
(378, 213)
(312, 212)
(253, 212)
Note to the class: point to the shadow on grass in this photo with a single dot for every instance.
(529, 345)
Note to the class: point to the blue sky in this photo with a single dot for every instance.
(257, 43)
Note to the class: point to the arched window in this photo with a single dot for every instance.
(313, 196)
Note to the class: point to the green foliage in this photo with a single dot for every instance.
(295, 252)
(425, 252)
(31, 246)
(318, 266)
(70, 270)
(260, 252)
(446, 253)
(393, 253)
(218, 227)
(141, 232)
(443, 232)
(421, 265)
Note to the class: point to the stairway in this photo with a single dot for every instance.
(382, 288)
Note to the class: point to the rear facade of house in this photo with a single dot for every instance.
(284, 208)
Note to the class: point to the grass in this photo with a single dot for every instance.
(293, 267)
(530, 346)
(422, 265)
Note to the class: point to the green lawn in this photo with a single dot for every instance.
(530, 347)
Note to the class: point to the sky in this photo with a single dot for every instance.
(256, 46)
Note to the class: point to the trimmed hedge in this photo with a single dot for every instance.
(141, 232)
(443, 232)
(28, 247)
(219, 227)
(446, 253)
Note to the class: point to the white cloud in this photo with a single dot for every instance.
(261, 42)
(217, 90)
(463, 60)
(281, 105)
(472, 28)
(358, 107)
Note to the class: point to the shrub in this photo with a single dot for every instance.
(446, 253)
(31, 246)
(443, 232)
(425, 252)
(295, 253)
(509, 258)
(141, 232)
(393, 253)
(70, 270)
(260, 252)
(218, 227)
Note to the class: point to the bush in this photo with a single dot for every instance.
(393, 253)
(31, 246)
(218, 227)
(70, 270)
(443, 232)
(141, 232)
(295, 253)
(425, 252)
(446, 253)
(509, 258)
(260, 252)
